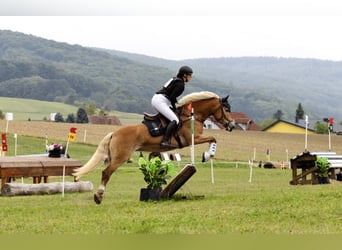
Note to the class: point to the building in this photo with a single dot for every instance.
(242, 121)
(281, 126)
(104, 119)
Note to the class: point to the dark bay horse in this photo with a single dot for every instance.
(116, 147)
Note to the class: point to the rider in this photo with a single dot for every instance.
(166, 98)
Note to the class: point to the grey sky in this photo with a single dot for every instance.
(186, 29)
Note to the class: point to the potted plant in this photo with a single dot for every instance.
(323, 166)
(155, 172)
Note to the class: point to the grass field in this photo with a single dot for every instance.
(232, 204)
(25, 109)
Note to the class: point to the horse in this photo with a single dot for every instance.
(116, 147)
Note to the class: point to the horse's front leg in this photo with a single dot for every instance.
(199, 139)
(212, 146)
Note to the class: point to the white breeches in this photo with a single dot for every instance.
(162, 105)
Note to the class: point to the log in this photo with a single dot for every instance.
(12, 189)
(178, 181)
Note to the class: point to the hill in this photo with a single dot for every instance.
(259, 86)
(35, 110)
(25, 109)
(37, 68)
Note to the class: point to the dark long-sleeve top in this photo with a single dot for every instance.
(172, 89)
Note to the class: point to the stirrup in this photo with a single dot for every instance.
(165, 144)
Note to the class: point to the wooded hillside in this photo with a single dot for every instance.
(37, 68)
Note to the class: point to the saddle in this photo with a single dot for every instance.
(156, 125)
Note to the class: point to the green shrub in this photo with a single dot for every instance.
(156, 172)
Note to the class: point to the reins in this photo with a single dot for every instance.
(198, 118)
(222, 112)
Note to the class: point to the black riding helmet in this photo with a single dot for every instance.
(184, 70)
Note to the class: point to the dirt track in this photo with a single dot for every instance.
(237, 145)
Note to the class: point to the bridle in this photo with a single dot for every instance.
(229, 125)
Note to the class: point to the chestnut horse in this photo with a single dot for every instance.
(116, 147)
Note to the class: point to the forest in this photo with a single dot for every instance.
(37, 68)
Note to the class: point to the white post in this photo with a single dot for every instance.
(212, 171)
(46, 142)
(178, 158)
(9, 117)
(66, 149)
(306, 133)
(6, 126)
(192, 137)
(15, 144)
(85, 136)
(250, 170)
(329, 139)
(165, 156)
(63, 181)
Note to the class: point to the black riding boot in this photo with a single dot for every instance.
(166, 139)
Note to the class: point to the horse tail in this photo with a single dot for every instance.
(101, 154)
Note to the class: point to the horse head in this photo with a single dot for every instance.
(220, 110)
(226, 118)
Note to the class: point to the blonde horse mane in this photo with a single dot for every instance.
(196, 96)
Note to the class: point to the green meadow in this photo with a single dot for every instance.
(228, 200)
(225, 201)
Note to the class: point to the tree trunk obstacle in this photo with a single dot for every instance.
(12, 189)
(37, 167)
(178, 181)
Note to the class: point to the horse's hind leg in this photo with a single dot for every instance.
(106, 174)
(121, 147)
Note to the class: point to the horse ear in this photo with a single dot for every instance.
(225, 98)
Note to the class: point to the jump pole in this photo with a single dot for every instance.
(187, 171)
(192, 151)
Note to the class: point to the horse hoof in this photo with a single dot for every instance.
(97, 199)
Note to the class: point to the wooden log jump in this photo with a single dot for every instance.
(178, 181)
(37, 167)
(12, 189)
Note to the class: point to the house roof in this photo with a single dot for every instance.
(244, 122)
(300, 124)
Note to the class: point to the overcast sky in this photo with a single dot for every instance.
(186, 29)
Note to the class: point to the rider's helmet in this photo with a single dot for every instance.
(184, 70)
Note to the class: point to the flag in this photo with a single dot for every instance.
(268, 154)
(4, 143)
(72, 134)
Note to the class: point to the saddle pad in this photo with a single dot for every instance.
(154, 127)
